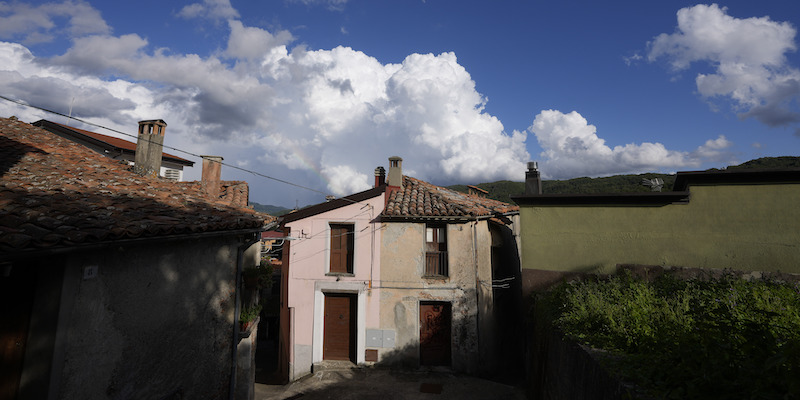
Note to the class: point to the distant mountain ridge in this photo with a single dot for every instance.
(275, 211)
(503, 190)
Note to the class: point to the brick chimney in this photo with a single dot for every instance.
(149, 146)
(212, 167)
(395, 172)
(533, 180)
(380, 176)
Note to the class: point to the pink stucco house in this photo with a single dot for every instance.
(404, 274)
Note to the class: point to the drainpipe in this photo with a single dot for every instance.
(237, 308)
(477, 288)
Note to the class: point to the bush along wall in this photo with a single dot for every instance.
(706, 337)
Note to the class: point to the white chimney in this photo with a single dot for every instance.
(395, 172)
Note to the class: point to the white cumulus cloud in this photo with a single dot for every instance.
(748, 56)
(29, 24)
(571, 147)
(320, 118)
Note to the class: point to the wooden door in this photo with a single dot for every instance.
(17, 286)
(434, 333)
(339, 330)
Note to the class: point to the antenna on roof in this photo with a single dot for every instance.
(69, 117)
(655, 184)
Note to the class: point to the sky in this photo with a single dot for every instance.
(312, 95)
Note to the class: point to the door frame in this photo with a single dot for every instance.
(358, 289)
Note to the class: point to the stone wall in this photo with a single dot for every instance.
(155, 321)
(560, 369)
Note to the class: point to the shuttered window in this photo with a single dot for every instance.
(435, 250)
(342, 239)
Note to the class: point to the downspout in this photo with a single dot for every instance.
(477, 288)
(237, 309)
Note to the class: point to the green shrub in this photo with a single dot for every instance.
(712, 338)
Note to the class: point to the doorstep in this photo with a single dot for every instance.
(333, 365)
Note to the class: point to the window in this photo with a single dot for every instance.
(435, 250)
(342, 245)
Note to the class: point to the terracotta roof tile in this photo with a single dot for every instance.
(57, 193)
(422, 199)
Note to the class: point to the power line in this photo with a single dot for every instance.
(256, 173)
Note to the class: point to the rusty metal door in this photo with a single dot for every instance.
(434, 333)
(339, 331)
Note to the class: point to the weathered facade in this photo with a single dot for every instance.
(423, 280)
(741, 219)
(115, 285)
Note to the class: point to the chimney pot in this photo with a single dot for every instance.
(380, 176)
(395, 172)
(533, 179)
(149, 147)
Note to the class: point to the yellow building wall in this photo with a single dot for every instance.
(741, 227)
(402, 287)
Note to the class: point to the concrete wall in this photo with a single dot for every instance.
(402, 287)
(742, 227)
(309, 279)
(154, 320)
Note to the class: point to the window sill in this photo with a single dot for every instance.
(345, 274)
(436, 277)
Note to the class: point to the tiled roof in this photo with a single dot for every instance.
(55, 193)
(419, 199)
(110, 141)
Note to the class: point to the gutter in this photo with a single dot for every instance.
(38, 252)
(237, 309)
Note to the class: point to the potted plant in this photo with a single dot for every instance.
(258, 277)
(248, 315)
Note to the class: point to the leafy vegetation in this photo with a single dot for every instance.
(249, 314)
(769, 163)
(716, 338)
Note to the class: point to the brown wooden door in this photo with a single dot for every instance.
(434, 333)
(339, 332)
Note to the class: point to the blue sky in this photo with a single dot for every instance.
(319, 93)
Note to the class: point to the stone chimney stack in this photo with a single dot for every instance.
(149, 146)
(395, 172)
(533, 180)
(212, 167)
(380, 176)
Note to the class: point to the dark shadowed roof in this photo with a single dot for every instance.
(736, 176)
(419, 199)
(57, 194)
(111, 143)
(680, 190)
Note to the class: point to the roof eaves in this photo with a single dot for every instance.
(69, 248)
(604, 199)
(332, 205)
(736, 177)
